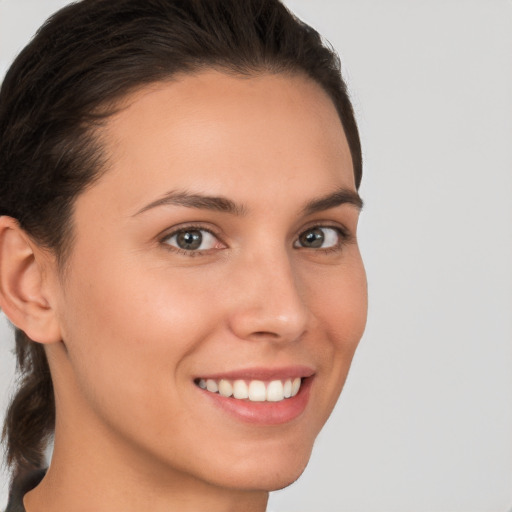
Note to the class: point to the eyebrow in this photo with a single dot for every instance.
(202, 202)
(222, 204)
(337, 198)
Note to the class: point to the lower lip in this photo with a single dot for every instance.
(264, 413)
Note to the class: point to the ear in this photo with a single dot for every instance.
(23, 295)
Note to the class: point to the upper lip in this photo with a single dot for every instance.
(261, 373)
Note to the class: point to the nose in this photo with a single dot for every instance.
(267, 300)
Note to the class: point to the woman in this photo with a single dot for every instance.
(178, 253)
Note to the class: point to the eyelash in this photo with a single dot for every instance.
(344, 238)
(185, 252)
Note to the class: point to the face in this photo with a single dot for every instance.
(217, 251)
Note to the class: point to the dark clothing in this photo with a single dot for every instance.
(20, 487)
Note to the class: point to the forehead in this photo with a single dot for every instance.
(218, 132)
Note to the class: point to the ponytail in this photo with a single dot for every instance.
(30, 419)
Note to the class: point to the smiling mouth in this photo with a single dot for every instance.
(252, 390)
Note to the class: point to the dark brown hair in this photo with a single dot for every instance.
(64, 84)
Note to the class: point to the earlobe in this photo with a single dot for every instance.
(22, 293)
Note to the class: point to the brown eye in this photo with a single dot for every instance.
(192, 240)
(313, 238)
(189, 240)
(319, 238)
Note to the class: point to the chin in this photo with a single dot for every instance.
(270, 481)
(269, 475)
(286, 480)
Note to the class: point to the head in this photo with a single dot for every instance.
(133, 134)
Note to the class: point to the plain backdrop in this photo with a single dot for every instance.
(425, 421)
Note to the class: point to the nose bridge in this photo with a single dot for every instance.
(269, 301)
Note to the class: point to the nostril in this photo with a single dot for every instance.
(265, 334)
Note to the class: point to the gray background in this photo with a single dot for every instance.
(425, 421)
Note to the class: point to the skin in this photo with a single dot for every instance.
(135, 319)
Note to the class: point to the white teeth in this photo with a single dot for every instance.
(287, 391)
(211, 385)
(254, 390)
(225, 388)
(240, 389)
(295, 386)
(275, 391)
(257, 391)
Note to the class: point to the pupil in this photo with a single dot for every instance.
(189, 239)
(312, 238)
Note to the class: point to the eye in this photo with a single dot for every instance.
(319, 238)
(192, 239)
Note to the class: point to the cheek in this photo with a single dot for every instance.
(129, 331)
(129, 303)
(340, 303)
